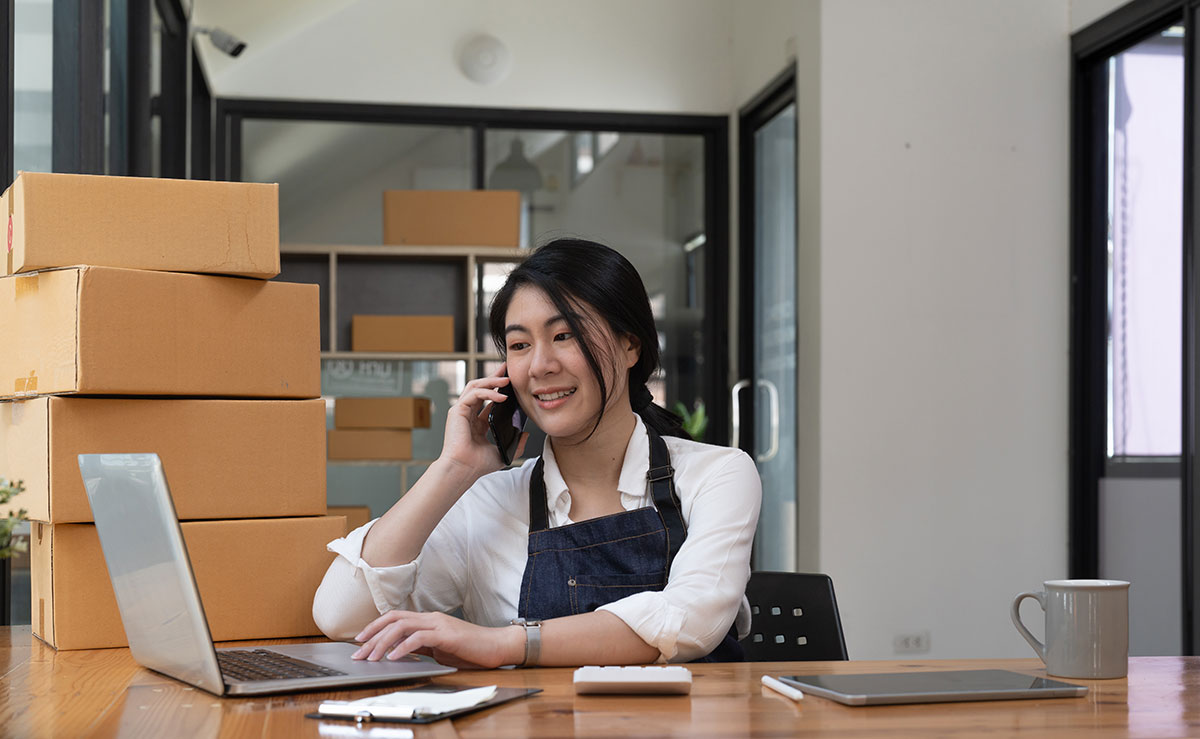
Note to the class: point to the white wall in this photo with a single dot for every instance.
(933, 249)
(629, 55)
(1086, 12)
(944, 275)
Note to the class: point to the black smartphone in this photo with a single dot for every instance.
(507, 421)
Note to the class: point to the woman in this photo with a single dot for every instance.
(639, 546)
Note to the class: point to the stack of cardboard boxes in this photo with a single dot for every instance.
(217, 374)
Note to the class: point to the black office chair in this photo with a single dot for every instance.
(793, 616)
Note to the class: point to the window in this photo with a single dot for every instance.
(1145, 236)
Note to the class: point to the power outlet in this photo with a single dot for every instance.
(915, 642)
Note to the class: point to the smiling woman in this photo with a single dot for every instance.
(625, 542)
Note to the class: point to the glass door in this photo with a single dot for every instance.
(764, 397)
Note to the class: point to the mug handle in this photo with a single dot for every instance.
(1016, 619)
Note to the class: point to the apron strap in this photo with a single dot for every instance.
(539, 517)
(661, 477)
(662, 486)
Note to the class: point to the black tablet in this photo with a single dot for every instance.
(870, 689)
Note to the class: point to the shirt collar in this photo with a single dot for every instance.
(631, 484)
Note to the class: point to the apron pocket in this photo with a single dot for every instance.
(589, 592)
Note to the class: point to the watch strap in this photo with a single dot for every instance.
(533, 640)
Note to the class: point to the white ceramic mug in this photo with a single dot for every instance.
(1087, 627)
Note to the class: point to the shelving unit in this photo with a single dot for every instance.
(469, 257)
(403, 280)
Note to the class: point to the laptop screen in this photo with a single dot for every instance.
(149, 567)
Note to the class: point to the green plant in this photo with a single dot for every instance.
(8, 546)
(694, 421)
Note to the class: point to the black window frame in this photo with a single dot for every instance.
(77, 143)
(7, 95)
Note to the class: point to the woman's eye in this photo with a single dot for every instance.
(563, 336)
(517, 346)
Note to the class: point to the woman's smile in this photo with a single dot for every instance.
(548, 399)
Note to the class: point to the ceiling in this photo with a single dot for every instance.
(261, 24)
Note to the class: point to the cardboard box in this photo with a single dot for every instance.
(355, 515)
(59, 220)
(370, 444)
(452, 217)
(257, 579)
(223, 458)
(382, 413)
(402, 333)
(106, 331)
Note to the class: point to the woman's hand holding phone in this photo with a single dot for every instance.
(467, 454)
(466, 442)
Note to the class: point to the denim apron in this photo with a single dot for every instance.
(580, 567)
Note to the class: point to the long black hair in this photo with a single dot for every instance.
(578, 275)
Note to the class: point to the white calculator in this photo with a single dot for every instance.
(649, 680)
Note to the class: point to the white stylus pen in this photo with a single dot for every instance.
(782, 688)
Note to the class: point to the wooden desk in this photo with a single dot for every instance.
(105, 693)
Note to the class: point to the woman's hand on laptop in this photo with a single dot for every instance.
(451, 641)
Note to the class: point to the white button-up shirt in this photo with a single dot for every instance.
(475, 558)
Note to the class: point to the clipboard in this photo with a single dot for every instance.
(503, 695)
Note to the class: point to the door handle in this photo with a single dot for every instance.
(736, 404)
(773, 393)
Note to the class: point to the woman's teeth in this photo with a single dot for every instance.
(555, 396)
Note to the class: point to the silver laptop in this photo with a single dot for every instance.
(160, 605)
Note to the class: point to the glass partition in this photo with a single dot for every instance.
(332, 175)
(33, 63)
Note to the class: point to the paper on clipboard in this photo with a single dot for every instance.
(408, 704)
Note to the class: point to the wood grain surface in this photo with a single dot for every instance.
(104, 693)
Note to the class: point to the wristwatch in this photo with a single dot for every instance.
(533, 640)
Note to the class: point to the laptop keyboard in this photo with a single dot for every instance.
(246, 665)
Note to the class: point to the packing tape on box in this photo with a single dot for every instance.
(26, 385)
(25, 284)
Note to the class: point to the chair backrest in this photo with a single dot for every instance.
(793, 616)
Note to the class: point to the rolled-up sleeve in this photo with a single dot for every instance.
(353, 593)
(706, 585)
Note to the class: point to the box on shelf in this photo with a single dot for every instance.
(382, 413)
(370, 444)
(401, 333)
(355, 515)
(107, 331)
(257, 579)
(223, 458)
(452, 217)
(59, 220)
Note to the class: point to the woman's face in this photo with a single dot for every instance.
(554, 384)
